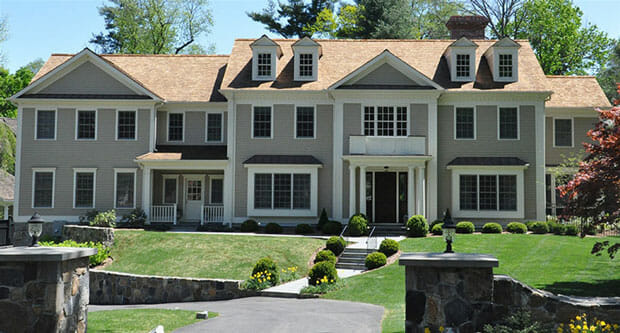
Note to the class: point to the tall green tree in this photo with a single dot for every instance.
(7, 149)
(505, 16)
(10, 84)
(153, 26)
(342, 24)
(430, 17)
(390, 19)
(292, 19)
(609, 76)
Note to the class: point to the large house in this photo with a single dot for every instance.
(280, 129)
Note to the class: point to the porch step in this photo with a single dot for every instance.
(353, 258)
(389, 229)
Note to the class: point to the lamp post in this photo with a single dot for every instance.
(35, 228)
(449, 229)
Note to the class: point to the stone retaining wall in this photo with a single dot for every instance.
(112, 288)
(82, 233)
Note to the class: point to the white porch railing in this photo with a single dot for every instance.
(372, 145)
(164, 213)
(212, 213)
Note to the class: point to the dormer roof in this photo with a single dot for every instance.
(506, 42)
(264, 40)
(308, 42)
(463, 42)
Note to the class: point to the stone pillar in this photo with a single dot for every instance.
(44, 289)
(362, 190)
(453, 290)
(352, 207)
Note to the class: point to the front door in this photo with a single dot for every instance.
(385, 197)
(194, 193)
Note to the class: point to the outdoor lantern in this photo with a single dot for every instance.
(35, 228)
(449, 229)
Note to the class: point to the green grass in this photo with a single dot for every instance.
(205, 256)
(140, 320)
(560, 264)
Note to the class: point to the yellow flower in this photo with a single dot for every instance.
(603, 323)
(578, 318)
(269, 278)
(441, 329)
(427, 330)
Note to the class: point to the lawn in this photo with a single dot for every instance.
(205, 256)
(560, 264)
(140, 320)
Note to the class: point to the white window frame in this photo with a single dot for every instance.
(514, 52)
(77, 124)
(286, 169)
(375, 120)
(135, 180)
(256, 50)
(572, 134)
(85, 170)
(271, 107)
(471, 52)
(499, 108)
(36, 123)
(211, 178)
(518, 171)
(168, 126)
(314, 51)
(456, 107)
(207, 113)
(34, 171)
(314, 122)
(135, 111)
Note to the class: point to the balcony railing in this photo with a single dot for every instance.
(381, 145)
(164, 213)
(212, 213)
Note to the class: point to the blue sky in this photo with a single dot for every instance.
(38, 28)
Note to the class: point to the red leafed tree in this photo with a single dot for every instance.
(593, 194)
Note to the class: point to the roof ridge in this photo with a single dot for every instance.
(572, 76)
(379, 40)
(148, 55)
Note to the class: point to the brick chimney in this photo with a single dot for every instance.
(471, 27)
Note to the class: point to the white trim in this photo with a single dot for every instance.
(475, 122)
(34, 171)
(18, 161)
(263, 49)
(93, 171)
(271, 107)
(36, 123)
(152, 128)
(176, 188)
(376, 107)
(314, 121)
(572, 129)
(135, 125)
(432, 174)
(77, 124)
(207, 113)
(211, 178)
(499, 108)
(168, 126)
(183, 164)
(125, 170)
(337, 172)
(539, 126)
(463, 46)
(298, 50)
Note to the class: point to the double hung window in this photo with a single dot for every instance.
(385, 121)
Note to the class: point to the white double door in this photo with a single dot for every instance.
(194, 196)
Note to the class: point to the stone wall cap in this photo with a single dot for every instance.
(34, 254)
(429, 259)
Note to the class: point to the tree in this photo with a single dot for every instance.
(10, 84)
(292, 19)
(505, 16)
(331, 25)
(609, 75)
(430, 17)
(593, 194)
(390, 19)
(7, 149)
(153, 26)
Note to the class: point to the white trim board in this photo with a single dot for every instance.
(36, 123)
(93, 171)
(34, 171)
(135, 111)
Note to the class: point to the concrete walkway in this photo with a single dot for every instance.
(262, 314)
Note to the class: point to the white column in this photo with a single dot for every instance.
(146, 193)
(420, 191)
(363, 190)
(6, 213)
(351, 189)
(432, 163)
(228, 195)
(539, 126)
(338, 139)
(411, 192)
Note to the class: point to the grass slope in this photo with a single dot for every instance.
(560, 264)
(140, 320)
(205, 256)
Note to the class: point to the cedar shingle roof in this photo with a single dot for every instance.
(576, 91)
(7, 185)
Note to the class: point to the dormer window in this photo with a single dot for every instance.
(307, 53)
(306, 65)
(503, 60)
(505, 65)
(462, 65)
(264, 64)
(265, 54)
(461, 56)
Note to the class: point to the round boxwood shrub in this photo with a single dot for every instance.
(516, 228)
(437, 229)
(465, 227)
(375, 260)
(267, 265)
(388, 247)
(273, 228)
(540, 227)
(434, 223)
(357, 225)
(529, 225)
(326, 255)
(336, 244)
(322, 270)
(332, 228)
(303, 229)
(417, 226)
(571, 230)
(492, 228)
(249, 226)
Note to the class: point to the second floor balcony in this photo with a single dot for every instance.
(380, 145)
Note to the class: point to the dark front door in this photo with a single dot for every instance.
(385, 197)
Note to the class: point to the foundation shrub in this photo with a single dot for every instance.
(516, 228)
(336, 245)
(303, 229)
(389, 247)
(417, 226)
(540, 227)
(325, 255)
(437, 229)
(357, 225)
(249, 226)
(492, 228)
(465, 227)
(273, 228)
(332, 228)
(375, 260)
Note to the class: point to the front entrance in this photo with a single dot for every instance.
(386, 196)
(194, 194)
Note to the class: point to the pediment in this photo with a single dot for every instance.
(506, 42)
(87, 78)
(463, 42)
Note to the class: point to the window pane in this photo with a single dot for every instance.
(87, 123)
(194, 190)
(369, 120)
(264, 64)
(127, 125)
(124, 190)
(46, 124)
(43, 187)
(84, 189)
(262, 190)
(170, 188)
(505, 65)
(282, 191)
(301, 191)
(385, 121)
(214, 127)
(262, 122)
(305, 122)
(401, 121)
(465, 123)
(175, 127)
(468, 192)
(508, 123)
(507, 192)
(563, 132)
(462, 65)
(488, 192)
(305, 64)
(217, 191)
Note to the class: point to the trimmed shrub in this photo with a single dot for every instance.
(529, 225)
(540, 227)
(249, 226)
(303, 229)
(134, 219)
(322, 219)
(375, 260)
(492, 228)
(273, 228)
(571, 230)
(417, 226)
(97, 259)
(434, 223)
(267, 265)
(465, 227)
(332, 228)
(516, 228)
(388, 247)
(437, 229)
(325, 255)
(556, 228)
(336, 244)
(104, 219)
(322, 272)
(357, 225)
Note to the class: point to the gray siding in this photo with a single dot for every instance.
(87, 79)
(419, 119)
(555, 156)
(386, 75)
(65, 153)
(195, 122)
